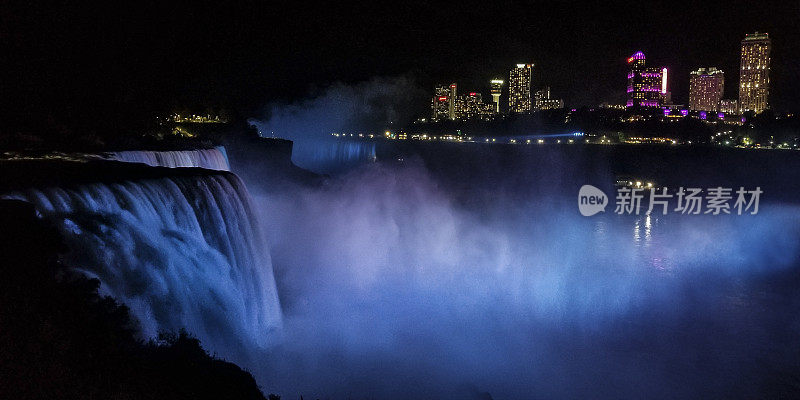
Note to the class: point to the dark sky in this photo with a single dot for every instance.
(149, 56)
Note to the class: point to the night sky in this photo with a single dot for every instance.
(104, 60)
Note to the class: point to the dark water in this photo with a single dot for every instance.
(467, 272)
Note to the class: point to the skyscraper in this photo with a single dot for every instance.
(706, 86)
(470, 106)
(496, 91)
(442, 103)
(542, 100)
(452, 104)
(754, 73)
(666, 95)
(646, 86)
(519, 88)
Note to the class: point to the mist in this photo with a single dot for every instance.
(466, 271)
(371, 106)
(391, 288)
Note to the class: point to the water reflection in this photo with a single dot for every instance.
(640, 239)
(648, 236)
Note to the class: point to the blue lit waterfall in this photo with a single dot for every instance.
(329, 155)
(182, 252)
(215, 158)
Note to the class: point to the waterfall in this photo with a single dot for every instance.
(181, 252)
(326, 156)
(215, 158)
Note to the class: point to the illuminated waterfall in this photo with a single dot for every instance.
(181, 252)
(215, 158)
(325, 156)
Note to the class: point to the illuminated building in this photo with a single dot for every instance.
(729, 106)
(496, 91)
(471, 106)
(542, 100)
(754, 73)
(540, 96)
(706, 87)
(666, 95)
(461, 108)
(519, 88)
(452, 104)
(647, 87)
(468, 107)
(551, 104)
(441, 104)
(198, 119)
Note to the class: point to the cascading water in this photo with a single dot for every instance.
(215, 158)
(327, 156)
(180, 251)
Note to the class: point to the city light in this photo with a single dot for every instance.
(519, 89)
(647, 87)
(754, 73)
(706, 87)
(636, 56)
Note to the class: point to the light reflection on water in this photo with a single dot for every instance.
(649, 248)
(640, 239)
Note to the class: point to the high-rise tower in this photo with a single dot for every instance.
(442, 103)
(754, 73)
(646, 86)
(519, 88)
(706, 86)
(496, 90)
(453, 97)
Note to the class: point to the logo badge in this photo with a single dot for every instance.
(591, 200)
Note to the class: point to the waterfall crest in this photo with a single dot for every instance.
(215, 158)
(327, 156)
(180, 251)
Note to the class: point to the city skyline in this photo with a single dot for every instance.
(446, 104)
(647, 87)
(158, 67)
(679, 70)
